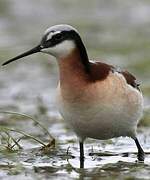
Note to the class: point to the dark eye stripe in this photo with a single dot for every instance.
(56, 39)
(58, 36)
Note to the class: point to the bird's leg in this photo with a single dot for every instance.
(141, 153)
(81, 154)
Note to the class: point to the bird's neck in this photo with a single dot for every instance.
(73, 69)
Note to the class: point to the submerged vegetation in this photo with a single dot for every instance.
(11, 143)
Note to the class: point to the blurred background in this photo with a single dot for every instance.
(115, 32)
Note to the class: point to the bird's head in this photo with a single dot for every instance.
(58, 41)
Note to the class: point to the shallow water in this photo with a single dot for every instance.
(116, 31)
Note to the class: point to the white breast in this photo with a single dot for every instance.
(106, 109)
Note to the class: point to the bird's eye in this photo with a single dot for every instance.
(58, 36)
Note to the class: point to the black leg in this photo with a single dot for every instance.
(141, 153)
(81, 154)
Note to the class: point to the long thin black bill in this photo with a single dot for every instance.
(31, 51)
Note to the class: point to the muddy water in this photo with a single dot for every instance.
(116, 32)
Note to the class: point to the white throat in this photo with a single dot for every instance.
(60, 50)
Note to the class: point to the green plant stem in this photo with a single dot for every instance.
(16, 142)
(30, 117)
(5, 129)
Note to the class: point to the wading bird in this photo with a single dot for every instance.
(95, 99)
